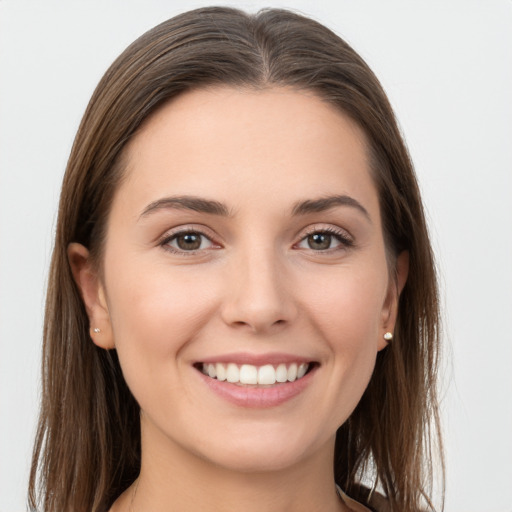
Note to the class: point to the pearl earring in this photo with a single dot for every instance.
(96, 330)
(388, 336)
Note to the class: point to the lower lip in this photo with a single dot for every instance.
(258, 397)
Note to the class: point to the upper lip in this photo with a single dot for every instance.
(256, 359)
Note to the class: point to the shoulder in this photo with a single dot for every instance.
(379, 503)
(369, 501)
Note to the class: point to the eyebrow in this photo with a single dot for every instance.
(193, 203)
(325, 203)
(213, 207)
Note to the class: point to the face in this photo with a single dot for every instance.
(245, 284)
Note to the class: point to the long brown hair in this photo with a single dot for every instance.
(87, 449)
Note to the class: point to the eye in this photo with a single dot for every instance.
(319, 241)
(323, 240)
(187, 241)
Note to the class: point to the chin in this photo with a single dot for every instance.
(257, 460)
(260, 451)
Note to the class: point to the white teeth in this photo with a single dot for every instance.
(292, 372)
(265, 375)
(303, 368)
(221, 371)
(232, 373)
(281, 373)
(248, 374)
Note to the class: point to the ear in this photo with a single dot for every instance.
(395, 287)
(93, 295)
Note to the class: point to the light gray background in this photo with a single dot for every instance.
(447, 67)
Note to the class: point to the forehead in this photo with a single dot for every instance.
(241, 145)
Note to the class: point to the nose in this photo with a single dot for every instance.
(258, 295)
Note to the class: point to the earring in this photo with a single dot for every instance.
(388, 336)
(96, 330)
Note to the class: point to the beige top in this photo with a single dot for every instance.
(351, 504)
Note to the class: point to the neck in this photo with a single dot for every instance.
(174, 479)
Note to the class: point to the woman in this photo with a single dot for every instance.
(242, 308)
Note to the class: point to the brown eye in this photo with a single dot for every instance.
(319, 241)
(188, 241)
(326, 240)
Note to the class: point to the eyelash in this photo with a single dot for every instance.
(345, 240)
(168, 238)
(341, 236)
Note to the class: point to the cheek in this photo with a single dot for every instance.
(154, 300)
(347, 310)
(154, 315)
(344, 308)
(347, 305)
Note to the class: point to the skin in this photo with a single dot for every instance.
(256, 285)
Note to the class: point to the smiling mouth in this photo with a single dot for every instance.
(251, 375)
